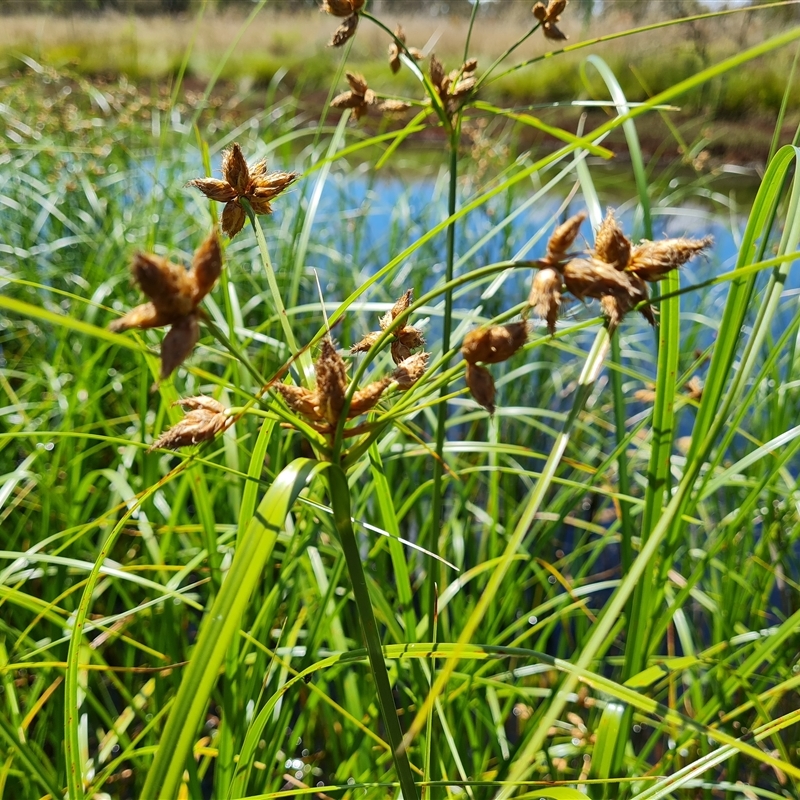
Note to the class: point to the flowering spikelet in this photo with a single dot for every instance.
(299, 399)
(611, 245)
(404, 340)
(548, 15)
(495, 344)
(563, 237)
(453, 89)
(545, 297)
(653, 260)
(359, 98)
(481, 385)
(175, 295)
(344, 32)
(366, 398)
(254, 184)
(331, 382)
(204, 419)
(341, 8)
(408, 372)
(394, 50)
(590, 277)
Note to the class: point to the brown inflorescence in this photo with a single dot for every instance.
(548, 15)
(174, 296)
(394, 50)
(615, 272)
(323, 406)
(343, 8)
(255, 184)
(361, 97)
(204, 419)
(490, 346)
(453, 89)
(404, 339)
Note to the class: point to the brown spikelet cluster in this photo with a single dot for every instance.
(394, 50)
(455, 87)
(174, 296)
(615, 272)
(549, 15)
(405, 339)
(361, 97)
(204, 419)
(255, 184)
(323, 406)
(490, 346)
(343, 8)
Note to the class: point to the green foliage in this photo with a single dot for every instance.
(569, 598)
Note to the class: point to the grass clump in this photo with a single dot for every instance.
(401, 539)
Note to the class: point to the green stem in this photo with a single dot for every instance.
(303, 357)
(340, 503)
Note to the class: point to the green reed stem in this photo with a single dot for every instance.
(303, 357)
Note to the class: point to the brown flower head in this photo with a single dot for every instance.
(408, 372)
(653, 260)
(545, 297)
(359, 98)
(324, 404)
(394, 50)
(343, 8)
(455, 88)
(495, 344)
(590, 277)
(405, 339)
(203, 421)
(548, 15)
(610, 244)
(175, 295)
(563, 237)
(481, 385)
(254, 184)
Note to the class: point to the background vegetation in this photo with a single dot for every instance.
(613, 610)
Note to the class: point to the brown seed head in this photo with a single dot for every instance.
(366, 398)
(653, 260)
(552, 31)
(206, 267)
(437, 73)
(366, 343)
(204, 420)
(593, 278)
(563, 237)
(233, 218)
(268, 186)
(481, 386)
(331, 382)
(495, 344)
(178, 344)
(545, 296)
(358, 83)
(221, 191)
(393, 107)
(398, 308)
(345, 31)
(410, 337)
(410, 370)
(611, 245)
(300, 399)
(341, 8)
(234, 168)
(168, 285)
(142, 317)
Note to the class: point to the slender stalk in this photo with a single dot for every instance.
(303, 357)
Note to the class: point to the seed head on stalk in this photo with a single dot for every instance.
(394, 50)
(174, 296)
(404, 339)
(204, 419)
(361, 97)
(490, 346)
(255, 184)
(323, 406)
(343, 8)
(456, 87)
(548, 15)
